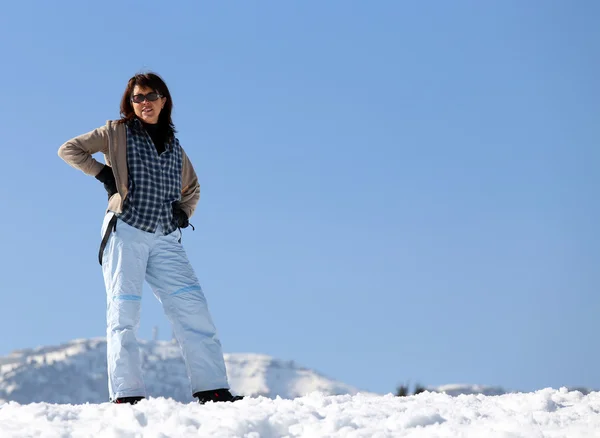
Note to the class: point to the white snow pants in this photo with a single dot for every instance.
(130, 256)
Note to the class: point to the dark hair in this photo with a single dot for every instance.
(156, 83)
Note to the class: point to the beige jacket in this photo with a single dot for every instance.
(111, 140)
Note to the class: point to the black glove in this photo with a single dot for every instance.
(107, 177)
(179, 215)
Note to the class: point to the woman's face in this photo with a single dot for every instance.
(147, 110)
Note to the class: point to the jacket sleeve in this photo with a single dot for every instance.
(78, 151)
(190, 187)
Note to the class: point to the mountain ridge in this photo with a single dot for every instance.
(75, 372)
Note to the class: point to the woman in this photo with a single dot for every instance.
(152, 192)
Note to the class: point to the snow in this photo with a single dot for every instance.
(548, 413)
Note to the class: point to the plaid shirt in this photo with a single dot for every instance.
(154, 181)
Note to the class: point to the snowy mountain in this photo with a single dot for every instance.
(466, 389)
(75, 373)
(458, 389)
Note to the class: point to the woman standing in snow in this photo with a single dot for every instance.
(152, 192)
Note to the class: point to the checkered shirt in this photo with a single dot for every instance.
(154, 181)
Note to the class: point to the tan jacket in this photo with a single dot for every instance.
(111, 140)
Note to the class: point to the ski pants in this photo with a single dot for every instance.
(130, 256)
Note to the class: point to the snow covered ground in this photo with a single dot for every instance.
(547, 413)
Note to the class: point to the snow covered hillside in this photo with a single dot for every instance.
(75, 373)
(546, 413)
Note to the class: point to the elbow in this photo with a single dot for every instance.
(63, 151)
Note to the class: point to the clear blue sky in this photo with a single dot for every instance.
(391, 191)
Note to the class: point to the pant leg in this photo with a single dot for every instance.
(174, 283)
(124, 267)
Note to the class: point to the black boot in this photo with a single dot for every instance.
(130, 400)
(216, 395)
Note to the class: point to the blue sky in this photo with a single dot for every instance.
(391, 191)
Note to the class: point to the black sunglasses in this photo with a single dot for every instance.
(151, 97)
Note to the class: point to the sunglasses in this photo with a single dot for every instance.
(150, 97)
